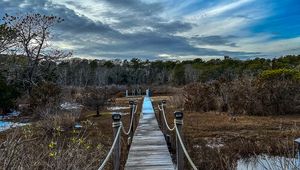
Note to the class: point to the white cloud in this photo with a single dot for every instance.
(64, 45)
(227, 26)
(94, 10)
(217, 21)
(272, 46)
(261, 43)
(175, 10)
(187, 57)
(215, 11)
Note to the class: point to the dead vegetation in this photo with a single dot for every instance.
(55, 143)
(245, 96)
(215, 141)
(38, 147)
(222, 141)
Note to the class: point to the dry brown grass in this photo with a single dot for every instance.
(123, 101)
(54, 143)
(31, 148)
(242, 137)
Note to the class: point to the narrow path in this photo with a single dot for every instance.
(148, 149)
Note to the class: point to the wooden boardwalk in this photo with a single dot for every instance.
(148, 149)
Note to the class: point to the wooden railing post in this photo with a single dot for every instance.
(179, 152)
(159, 115)
(134, 118)
(117, 150)
(297, 141)
(132, 104)
(163, 104)
(164, 126)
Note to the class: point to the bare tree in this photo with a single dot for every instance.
(33, 33)
(95, 98)
(191, 74)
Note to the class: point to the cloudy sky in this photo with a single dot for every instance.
(170, 29)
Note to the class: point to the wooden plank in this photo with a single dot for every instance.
(152, 167)
(148, 149)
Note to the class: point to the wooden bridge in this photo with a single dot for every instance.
(148, 148)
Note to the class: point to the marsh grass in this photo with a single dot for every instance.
(215, 141)
(54, 143)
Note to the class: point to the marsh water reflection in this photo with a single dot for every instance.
(266, 162)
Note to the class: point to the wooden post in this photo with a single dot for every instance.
(132, 104)
(135, 106)
(179, 152)
(159, 115)
(163, 104)
(297, 141)
(117, 150)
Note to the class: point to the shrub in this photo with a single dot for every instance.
(60, 150)
(280, 74)
(264, 96)
(52, 121)
(274, 92)
(95, 98)
(45, 95)
(279, 91)
(8, 96)
(177, 101)
(200, 97)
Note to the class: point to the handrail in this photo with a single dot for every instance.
(165, 119)
(136, 108)
(178, 134)
(184, 149)
(117, 135)
(160, 109)
(131, 123)
(111, 150)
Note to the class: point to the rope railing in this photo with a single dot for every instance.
(160, 109)
(118, 126)
(131, 121)
(165, 119)
(136, 108)
(184, 149)
(116, 147)
(111, 150)
(180, 147)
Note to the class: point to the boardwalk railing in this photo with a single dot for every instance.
(115, 150)
(180, 147)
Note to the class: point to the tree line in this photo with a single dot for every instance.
(83, 72)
